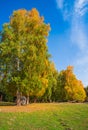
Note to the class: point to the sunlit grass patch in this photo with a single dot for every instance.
(53, 116)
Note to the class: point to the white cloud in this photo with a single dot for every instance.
(60, 4)
(74, 14)
(63, 6)
(78, 29)
(78, 34)
(79, 37)
(81, 7)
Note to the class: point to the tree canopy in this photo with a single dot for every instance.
(69, 87)
(24, 53)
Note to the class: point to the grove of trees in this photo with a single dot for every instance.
(25, 65)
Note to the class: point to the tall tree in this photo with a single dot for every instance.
(24, 53)
(70, 88)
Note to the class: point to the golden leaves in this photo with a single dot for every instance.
(74, 88)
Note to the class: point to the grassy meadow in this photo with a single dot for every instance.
(45, 116)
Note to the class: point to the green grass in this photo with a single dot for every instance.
(63, 116)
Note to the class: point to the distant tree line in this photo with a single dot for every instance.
(25, 65)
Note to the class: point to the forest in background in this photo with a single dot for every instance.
(26, 71)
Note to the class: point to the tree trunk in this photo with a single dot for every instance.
(1, 98)
(27, 100)
(35, 100)
(18, 100)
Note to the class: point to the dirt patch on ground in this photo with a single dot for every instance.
(27, 108)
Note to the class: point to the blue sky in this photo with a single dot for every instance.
(68, 38)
